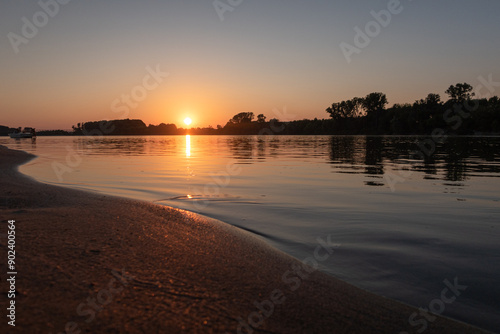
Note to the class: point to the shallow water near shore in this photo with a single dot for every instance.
(408, 213)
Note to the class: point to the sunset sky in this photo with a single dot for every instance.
(85, 59)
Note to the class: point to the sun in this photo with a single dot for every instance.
(188, 121)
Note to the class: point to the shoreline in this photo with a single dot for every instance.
(95, 262)
(492, 134)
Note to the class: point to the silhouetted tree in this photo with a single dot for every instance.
(242, 117)
(460, 92)
(354, 106)
(337, 110)
(433, 100)
(345, 109)
(374, 102)
(261, 118)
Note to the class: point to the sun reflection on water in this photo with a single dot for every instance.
(188, 145)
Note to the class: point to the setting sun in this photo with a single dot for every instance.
(187, 121)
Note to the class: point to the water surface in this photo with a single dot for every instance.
(408, 212)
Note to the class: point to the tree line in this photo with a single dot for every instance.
(462, 114)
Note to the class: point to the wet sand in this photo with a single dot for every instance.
(90, 263)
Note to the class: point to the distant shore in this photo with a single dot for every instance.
(89, 262)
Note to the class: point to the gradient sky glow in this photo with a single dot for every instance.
(264, 55)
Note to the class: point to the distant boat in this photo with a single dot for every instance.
(26, 133)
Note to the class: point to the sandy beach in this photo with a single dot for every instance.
(90, 263)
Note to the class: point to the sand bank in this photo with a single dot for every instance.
(93, 263)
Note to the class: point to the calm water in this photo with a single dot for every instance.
(406, 221)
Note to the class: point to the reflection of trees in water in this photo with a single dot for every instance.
(486, 157)
(373, 156)
(128, 146)
(455, 170)
(112, 145)
(465, 157)
(405, 153)
(274, 146)
(342, 149)
(241, 147)
(347, 153)
(430, 167)
(261, 148)
(456, 159)
(456, 151)
(167, 145)
(304, 147)
(488, 149)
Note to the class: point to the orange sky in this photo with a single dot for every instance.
(81, 65)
